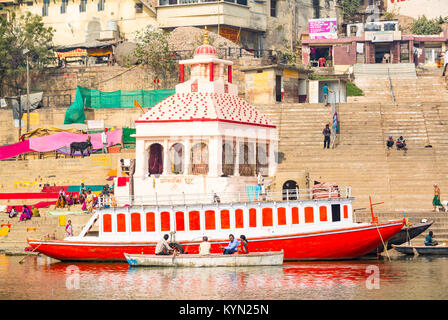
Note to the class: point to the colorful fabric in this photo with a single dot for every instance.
(15, 149)
(39, 205)
(28, 195)
(436, 201)
(64, 139)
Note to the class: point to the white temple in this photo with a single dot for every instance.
(202, 139)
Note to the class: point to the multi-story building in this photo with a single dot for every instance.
(255, 24)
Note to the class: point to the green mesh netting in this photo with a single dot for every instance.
(89, 98)
(75, 112)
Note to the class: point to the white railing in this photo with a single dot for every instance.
(253, 195)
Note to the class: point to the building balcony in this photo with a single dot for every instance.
(193, 13)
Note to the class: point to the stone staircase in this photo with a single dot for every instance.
(37, 228)
(403, 180)
(382, 70)
(404, 84)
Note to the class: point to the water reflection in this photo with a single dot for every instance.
(406, 277)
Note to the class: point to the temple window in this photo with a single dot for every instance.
(245, 168)
(199, 158)
(228, 158)
(155, 162)
(176, 158)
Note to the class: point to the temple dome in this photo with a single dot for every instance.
(205, 49)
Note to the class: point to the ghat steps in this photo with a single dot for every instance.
(403, 180)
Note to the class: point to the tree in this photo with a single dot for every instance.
(153, 52)
(16, 35)
(350, 9)
(426, 26)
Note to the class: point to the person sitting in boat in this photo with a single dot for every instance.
(204, 246)
(244, 245)
(163, 246)
(429, 240)
(232, 246)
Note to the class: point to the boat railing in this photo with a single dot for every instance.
(251, 195)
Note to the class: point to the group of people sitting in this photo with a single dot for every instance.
(65, 199)
(163, 246)
(26, 214)
(400, 143)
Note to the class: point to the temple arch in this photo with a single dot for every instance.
(155, 162)
(177, 158)
(228, 158)
(200, 158)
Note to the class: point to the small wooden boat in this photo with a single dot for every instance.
(209, 260)
(405, 234)
(439, 250)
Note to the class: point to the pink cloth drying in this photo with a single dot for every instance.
(63, 139)
(15, 149)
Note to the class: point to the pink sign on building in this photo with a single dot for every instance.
(326, 28)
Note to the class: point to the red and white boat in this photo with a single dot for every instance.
(320, 229)
(204, 141)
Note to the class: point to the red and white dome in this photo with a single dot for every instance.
(205, 49)
(198, 106)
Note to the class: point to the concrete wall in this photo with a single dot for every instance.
(416, 8)
(75, 26)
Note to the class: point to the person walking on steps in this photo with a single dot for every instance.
(325, 91)
(327, 133)
(436, 200)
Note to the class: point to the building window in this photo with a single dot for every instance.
(45, 8)
(273, 8)
(64, 5)
(83, 6)
(100, 5)
(139, 7)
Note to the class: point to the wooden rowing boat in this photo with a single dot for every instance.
(439, 250)
(209, 260)
(404, 235)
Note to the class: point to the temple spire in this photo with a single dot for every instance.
(206, 36)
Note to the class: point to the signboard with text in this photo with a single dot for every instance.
(326, 28)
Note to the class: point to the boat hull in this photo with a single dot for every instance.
(210, 260)
(338, 244)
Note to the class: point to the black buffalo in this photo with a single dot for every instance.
(81, 146)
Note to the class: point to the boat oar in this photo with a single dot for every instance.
(21, 261)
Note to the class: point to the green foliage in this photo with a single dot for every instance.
(20, 33)
(353, 90)
(153, 52)
(425, 26)
(350, 8)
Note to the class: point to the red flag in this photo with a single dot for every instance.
(138, 106)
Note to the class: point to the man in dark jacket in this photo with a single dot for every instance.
(327, 133)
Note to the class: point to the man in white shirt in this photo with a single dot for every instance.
(163, 246)
(204, 246)
(104, 140)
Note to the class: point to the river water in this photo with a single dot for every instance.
(404, 277)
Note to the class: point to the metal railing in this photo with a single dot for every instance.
(253, 195)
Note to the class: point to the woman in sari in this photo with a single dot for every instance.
(61, 199)
(89, 200)
(26, 214)
(69, 229)
(69, 199)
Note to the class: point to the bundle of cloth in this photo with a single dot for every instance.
(322, 191)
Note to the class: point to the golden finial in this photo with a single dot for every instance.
(206, 36)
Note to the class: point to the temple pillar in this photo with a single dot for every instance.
(141, 168)
(229, 74)
(272, 165)
(236, 167)
(187, 154)
(166, 157)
